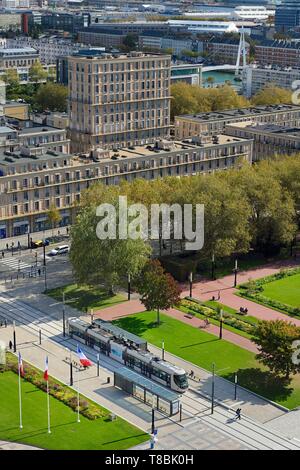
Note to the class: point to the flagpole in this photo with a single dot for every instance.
(78, 399)
(20, 396)
(48, 405)
(48, 397)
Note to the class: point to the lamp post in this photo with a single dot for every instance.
(28, 238)
(235, 272)
(163, 350)
(235, 385)
(44, 253)
(213, 266)
(213, 389)
(191, 284)
(129, 282)
(71, 368)
(45, 277)
(221, 324)
(12, 248)
(64, 316)
(92, 315)
(153, 415)
(14, 336)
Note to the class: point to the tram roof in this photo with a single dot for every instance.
(146, 383)
(117, 331)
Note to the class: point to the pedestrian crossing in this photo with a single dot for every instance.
(14, 264)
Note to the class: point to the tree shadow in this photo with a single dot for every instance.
(264, 383)
(135, 325)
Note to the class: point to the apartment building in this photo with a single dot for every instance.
(108, 39)
(268, 139)
(32, 180)
(256, 77)
(49, 48)
(216, 122)
(287, 16)
(224, 51)
(118, 100)
(280, 52)
(16, 134)
(19, 59)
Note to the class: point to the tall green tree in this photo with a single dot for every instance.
(53, 217)
(104, 261)
(271, 95)
(158, 289)
(275, 343)
(52, 97)
(37, 73)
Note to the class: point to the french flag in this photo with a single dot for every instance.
(46, 375)
(84, 361)
(21, 368)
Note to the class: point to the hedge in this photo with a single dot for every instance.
(252, 290)
(228, 318)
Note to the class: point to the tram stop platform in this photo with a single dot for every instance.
(145, 390)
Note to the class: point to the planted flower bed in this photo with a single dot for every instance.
(196, 307)
(58, 390)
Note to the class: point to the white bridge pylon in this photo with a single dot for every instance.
(242, 52)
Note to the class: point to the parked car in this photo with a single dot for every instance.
(39, 243)
(60, 250)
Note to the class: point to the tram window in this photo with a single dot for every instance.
(161, 375)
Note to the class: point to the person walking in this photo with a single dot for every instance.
(10, 344)
(238, 414)
(3, 254)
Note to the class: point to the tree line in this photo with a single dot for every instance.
(191, 99)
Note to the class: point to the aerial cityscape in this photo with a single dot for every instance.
(149, 228)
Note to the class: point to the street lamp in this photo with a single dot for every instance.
(64, 316)
(221, 324)
(153, 416)
(213, 266)
(163, 350)
(45, 277)
(92, 315)
(235, 272)
(191, 283)
(213, 389)
(129, 281)
(14, 336)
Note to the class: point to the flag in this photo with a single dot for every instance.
(21, 368)
(46, 375)
(84, 361)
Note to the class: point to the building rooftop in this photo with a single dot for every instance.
(267, 128)
(239, 112)
(8, 158)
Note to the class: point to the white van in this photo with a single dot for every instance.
(60, 250)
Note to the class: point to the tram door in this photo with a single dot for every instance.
(145, 370)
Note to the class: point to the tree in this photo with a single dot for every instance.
(130, 42)
(158, 289)
(272, 211)
(103, 261)
(274, 339)
(210, 81)
(52, 97)
(12, 80)
(53, 216)
(272, 94)
(37, 73)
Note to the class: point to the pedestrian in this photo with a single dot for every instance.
(3, 254)
(219, 295)
(7, 246)
(10, 344)
(238, 413)
(39, 271)
(67, 230)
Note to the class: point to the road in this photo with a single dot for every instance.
(246, 433)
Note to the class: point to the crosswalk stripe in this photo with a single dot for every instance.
(14, 264)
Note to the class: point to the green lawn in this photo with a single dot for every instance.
(66, 432)
(87, 297)
(285, 290)
(202, 348)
